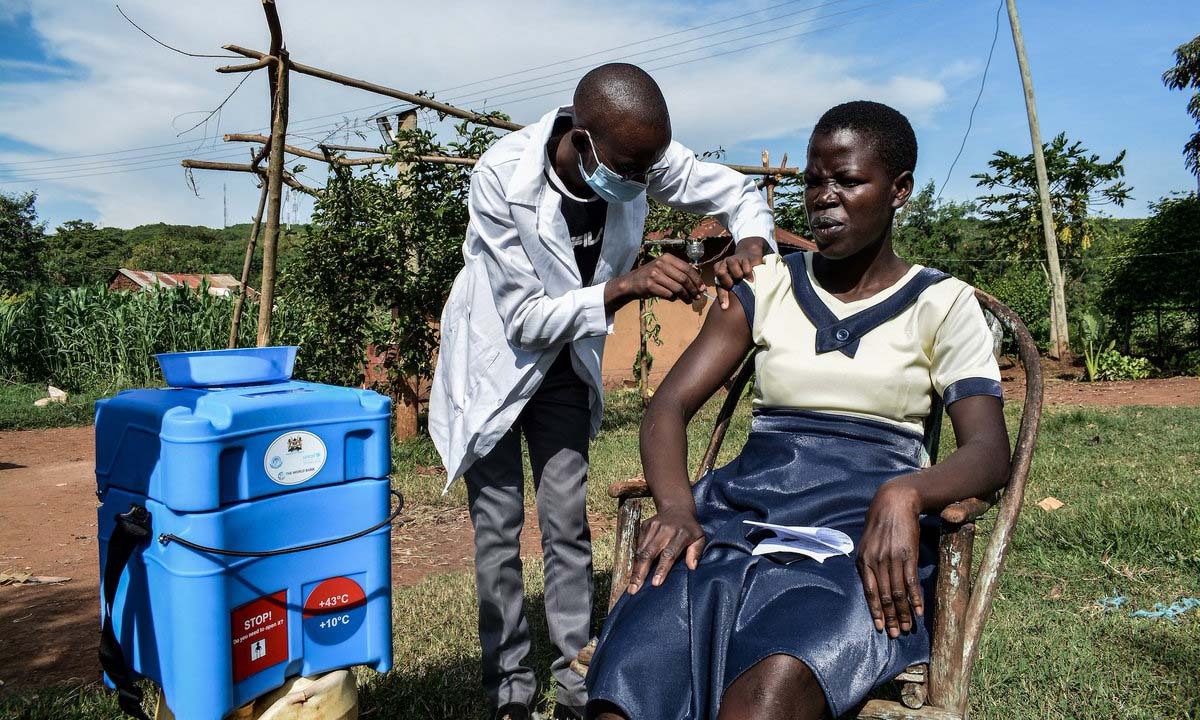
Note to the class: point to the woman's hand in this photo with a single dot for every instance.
(887, 558)
(666, 536)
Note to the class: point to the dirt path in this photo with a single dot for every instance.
(1062, 388)
(48, 528)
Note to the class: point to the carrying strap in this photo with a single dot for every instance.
(132, 529)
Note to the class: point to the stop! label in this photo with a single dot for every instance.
(259, 631)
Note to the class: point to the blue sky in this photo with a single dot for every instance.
(79, 81)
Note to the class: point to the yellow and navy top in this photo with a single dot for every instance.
(878, 358)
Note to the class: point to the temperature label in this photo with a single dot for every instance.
(334, 610)
(259, 632)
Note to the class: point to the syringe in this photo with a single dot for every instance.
(695, 251)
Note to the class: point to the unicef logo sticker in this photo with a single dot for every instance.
(294, 457)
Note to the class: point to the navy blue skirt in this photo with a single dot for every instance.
(672, 651)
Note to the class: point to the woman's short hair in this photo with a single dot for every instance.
(891, 134)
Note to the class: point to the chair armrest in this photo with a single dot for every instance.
(625, 489)
(965, 511)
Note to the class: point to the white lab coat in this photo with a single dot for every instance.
(519, 298)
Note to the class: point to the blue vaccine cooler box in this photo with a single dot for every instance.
(244, 528)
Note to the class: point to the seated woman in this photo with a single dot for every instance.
(853, 341)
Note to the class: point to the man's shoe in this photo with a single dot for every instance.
(514, 711)
(562, 711)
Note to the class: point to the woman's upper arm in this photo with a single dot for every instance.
(978, 423)
(707, 363)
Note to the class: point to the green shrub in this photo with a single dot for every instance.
(1191, 364)
(1112, 365)
(1024, 289)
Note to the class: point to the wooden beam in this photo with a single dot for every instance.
(263, 139)
(352, 148)
(251, 67)
(246, 265)
(420, 100)
(288, 179)
(373, 160)
(760, 170)
(275, 172)
(451, 110)
(210, 165)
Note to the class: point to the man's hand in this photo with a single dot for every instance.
(666, 277)
(666, 536)
(887, 559)
(739, 265)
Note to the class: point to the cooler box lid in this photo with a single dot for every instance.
(200, 448)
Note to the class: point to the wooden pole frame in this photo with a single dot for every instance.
(274, 147)
(247, 263)
(279, 119)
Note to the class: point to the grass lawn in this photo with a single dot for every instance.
(1130, 481)
(18, 413)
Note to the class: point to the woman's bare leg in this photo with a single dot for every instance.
(778, 687)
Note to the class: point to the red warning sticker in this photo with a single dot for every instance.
(259, 631)
(332, 595)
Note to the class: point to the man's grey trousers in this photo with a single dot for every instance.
(555, 424)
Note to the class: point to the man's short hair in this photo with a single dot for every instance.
(890, 133)
(621, 92)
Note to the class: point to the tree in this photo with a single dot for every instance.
(790, 212)
(1185, 75)
(21, 241)
(1079, 184)
(79, 253)
(1156, 266)
(928, 230)
(380, 258)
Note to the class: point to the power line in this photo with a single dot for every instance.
(128, 163)
(971, 118)
(160, 42)
(181, 143)
(377, 105)
(60, 159)
(633, 56)
(559, 87)
(622, 47)
(201, 152)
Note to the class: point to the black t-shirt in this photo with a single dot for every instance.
(585, 223)
(585, 217)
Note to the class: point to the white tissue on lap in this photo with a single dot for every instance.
(817, 543)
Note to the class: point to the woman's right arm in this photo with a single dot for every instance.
(704, 366)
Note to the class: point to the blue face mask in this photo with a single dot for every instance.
(607, 184)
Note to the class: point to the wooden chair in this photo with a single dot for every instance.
(937, 690)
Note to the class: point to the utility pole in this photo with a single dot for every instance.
(224, 206)
(1060, 346)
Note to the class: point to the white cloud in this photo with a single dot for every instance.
(11, 9)
(132, 91)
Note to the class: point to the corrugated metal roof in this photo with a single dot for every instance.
(219, 284)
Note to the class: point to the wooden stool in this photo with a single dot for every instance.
(332, 696)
